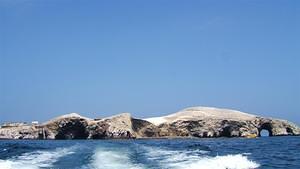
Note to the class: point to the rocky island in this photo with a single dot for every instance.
(201, 122)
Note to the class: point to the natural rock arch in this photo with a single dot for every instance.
(72, 130)
(265, 126)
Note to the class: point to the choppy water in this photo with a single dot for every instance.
(222, 153)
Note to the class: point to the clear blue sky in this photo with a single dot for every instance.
(149, 58)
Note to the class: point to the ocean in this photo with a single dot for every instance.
(214, 153)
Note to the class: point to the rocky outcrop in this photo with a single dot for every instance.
(70, 126)
(22, 132)
(214, 122)
(191, 122)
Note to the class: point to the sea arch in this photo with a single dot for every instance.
(265, 127)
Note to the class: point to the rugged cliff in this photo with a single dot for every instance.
(215, 122)
(190, 122)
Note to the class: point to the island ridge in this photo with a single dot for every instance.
(194, 122)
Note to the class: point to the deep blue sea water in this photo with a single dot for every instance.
(219, 153)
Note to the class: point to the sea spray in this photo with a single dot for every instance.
(197, 159)
(36, 159)
(112, 158)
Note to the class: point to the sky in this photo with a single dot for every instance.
(149, 58)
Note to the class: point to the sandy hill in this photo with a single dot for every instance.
(201, 113)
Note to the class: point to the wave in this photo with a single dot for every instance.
(197, 160)
(112, 159)
(36, 159)
(237, 161)
(118, 157)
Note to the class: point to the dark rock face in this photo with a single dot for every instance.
(123, 126)
(144, 128)
(98, 130)
(73, 129)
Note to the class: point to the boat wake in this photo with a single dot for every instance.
(112, 159)
(134, 157)
(169, 159)
(155, 157)
(36, 159)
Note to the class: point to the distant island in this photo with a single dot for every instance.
(194, 122)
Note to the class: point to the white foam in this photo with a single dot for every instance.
(35, 160)
(112, 159)
(198, 160)
(237, 161)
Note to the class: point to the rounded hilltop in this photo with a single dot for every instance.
(201, 113)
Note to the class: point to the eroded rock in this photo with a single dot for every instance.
(191, 122)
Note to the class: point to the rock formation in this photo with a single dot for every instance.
(191, 122)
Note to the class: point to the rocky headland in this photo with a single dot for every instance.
(196, 122)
